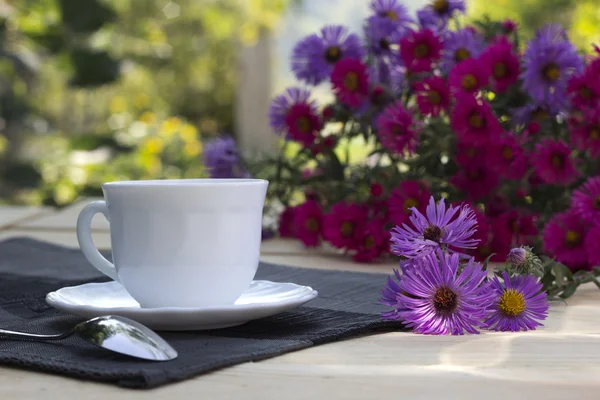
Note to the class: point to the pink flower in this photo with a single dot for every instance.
(586, 200)
(584, 89)
(477, 180)
(553, 163)
(286, 222)
(468, 76)
(519, 226)
(350, 81)
(396, 129)
(407, 195)
(468, 153)
(344, 224)
(308, 223)
(509, 25)
(496, 205)
(420, 49)
(564, 237)
(501, 63)
(376, 189)
(496, 243)
(592, 244)
(303, 124)
(508, 157)
(433, 95)
(374, 242)
(474, 120)
(585, 131)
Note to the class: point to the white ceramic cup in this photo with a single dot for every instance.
(179, 243)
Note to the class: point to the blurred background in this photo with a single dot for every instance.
(100, 90)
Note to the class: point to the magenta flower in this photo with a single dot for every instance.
(564, 237)
(470, 153)
(314, 57)
(468, 76)
(586, 200)
(474, 120)
(443, 228)
(584, 90)
(308, 223)
(292, 114)
(509, 25)
(592, 244)
(476, 179)
(508, 157)
(520, 304)
(553, 162)
(350, 81)
(432, 297)
(373, 242)
(459, 46)
(518, 225)
(419, 50)
(501, 63)
(344, 224)
(396, 129)
(433, 96)
(549, 62)
(585, 131)
(408, 195)
(286, 223)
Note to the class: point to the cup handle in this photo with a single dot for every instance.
(84, 236)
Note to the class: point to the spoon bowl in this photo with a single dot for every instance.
(114, 333)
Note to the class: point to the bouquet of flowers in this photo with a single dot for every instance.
(506, 133)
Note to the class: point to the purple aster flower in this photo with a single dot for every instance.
(438, 12)
(222, 160)
(459, 46)
(520, 303)
(533, 113)
(549, 62)
(517, 256)
(389, 13)
(398, 78)
(382, 38)
(449, 229)
(435, 298)
(314, 56)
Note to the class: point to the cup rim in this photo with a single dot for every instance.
(201, 182)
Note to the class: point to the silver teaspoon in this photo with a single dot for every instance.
(114, 333)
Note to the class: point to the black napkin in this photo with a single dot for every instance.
(347, 306)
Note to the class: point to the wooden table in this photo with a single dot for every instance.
(560, 361)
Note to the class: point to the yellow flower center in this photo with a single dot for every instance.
(369, 242)
(445, 300)
(500, 70)
(351, 81)
(421, 50)
(333, 54)
(512, 303)
(597, 202)
(434, 97)
(557, 160)
(410, 203)
(595, 133)
(312, 224)
(347, 229)
(507, 153)
(539, 114)
(391, 15)
(585, 92)
(469, 82)
(475, 120)
(441, 6)
(572, 238)
(397, 130)
(433, 233)
(461, 54)
(551, 72)
(303, 124)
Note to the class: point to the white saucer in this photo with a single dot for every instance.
(262, 299)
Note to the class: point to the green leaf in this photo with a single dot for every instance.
(569, 290)
(85, 16)
(21, 175)
(486, 261)
(93, 68)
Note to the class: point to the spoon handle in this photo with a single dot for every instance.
(22, 335)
